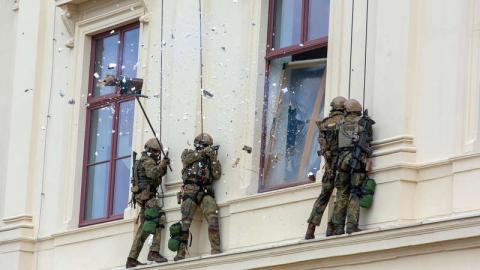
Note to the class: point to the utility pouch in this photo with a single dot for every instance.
(152, 220)
(175, 236)
(368, 190)
(144, 195)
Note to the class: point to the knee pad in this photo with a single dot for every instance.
(213, 223)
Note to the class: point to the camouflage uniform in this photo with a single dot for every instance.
(200, 168)
(349, 185)
(328, 147)
(328, 136)
(149, 174)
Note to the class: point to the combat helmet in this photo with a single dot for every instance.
(152, 144)
(203, 139)
(338, 103)
(353, 106)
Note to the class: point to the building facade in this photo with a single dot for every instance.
(256, 75)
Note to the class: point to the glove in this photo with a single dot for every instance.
(208, 151)
(164, 162)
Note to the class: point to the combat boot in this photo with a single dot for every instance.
(182, 251)
(352, 228)
(131, 262)
(338, 230)
(156, 257)
(310, 234)
(330, 229)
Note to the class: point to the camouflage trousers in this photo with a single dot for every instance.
(193, 198)
(327, 189)
(347, 207)
(141, 236)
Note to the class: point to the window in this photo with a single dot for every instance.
(108, 138)
(294, 92)
(297, 26)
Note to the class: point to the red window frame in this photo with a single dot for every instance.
(96, 102)
(307, 45)
(304, 45)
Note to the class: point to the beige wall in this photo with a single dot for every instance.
(421, 88)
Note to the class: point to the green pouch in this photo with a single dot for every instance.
(175, 230)
(149, 226)
(368, 189)
(151, 220)
(151, 213)
(174, 244)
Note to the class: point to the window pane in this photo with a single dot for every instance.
(288, 23)
(122, 175)
(130, 53)
(100, 134)
(318, 13)
(291, 130)
(125, 126)
(106, 52)
(97, 191)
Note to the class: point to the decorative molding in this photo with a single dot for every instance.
(69, 16)
(470, 106)
(16, 219)
(336, 251)
(397, 144)
(145, 18)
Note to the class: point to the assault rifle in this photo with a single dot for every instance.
(134, 180)
(362, 145)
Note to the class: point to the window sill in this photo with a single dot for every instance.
(336, 251)
(68, 2)
(95, 231)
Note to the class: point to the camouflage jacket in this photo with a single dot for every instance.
(150, 172)
(328, 135)
(350, 129)
(200, 167)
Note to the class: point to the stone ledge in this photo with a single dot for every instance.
(343, 250)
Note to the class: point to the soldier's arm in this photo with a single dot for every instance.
(322, 138)
(190, 156)
(154, 170)
(216, 169)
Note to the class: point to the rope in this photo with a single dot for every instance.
(351, 46)
(45, 141)
(162, 194)
(201, 63)
(161, 74)
(365, 60)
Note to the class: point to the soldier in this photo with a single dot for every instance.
(328, 137)
(351, 170)
(200, 168)
(148, 172)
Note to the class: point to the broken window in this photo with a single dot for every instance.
(109, 127)
(295, 91)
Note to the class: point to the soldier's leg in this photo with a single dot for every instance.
(353, 210)
(188, 210)
(322, 201)
(341, 203)
(210, 211)
(320, 204)
(140, 237)
(154, 254)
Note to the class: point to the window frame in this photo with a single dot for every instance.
(304, 46)
(269, 57)
(96, 102)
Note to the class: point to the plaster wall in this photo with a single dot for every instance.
(421, 89)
